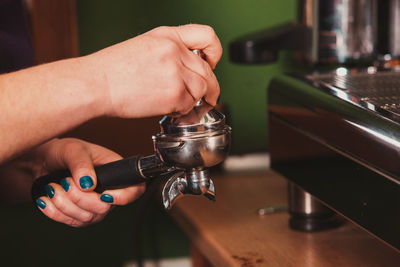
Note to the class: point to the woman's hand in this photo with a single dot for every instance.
(156, 73)
(73, 202)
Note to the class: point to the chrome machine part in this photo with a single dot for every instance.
(151, 166)
(372, 90)
(342, 30)
(199, 183)
(394, 28)
(307, 214)
(192, 152)
(196, 182)
(191, 144)
(302, 202)
(199, 139)
(327, 32)
(201, 118)
(173, 189)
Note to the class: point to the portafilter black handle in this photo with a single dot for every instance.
(113, 175)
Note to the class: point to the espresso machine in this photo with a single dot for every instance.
(335, 130)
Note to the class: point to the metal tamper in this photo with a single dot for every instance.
(185, 149)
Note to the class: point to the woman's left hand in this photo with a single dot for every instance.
(73, 201)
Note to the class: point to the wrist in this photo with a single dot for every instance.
(96, 85)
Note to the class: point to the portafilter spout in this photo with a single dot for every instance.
(184, 150)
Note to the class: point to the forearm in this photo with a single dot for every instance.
(42, 102)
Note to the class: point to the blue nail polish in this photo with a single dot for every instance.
(218, 99)
(65, 184)
(107, 198)
(86, 182)
(49, 190)
(40, 203)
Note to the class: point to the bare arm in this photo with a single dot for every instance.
(39, 103)
(151, 74)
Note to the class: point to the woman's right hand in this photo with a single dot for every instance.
(156, 73)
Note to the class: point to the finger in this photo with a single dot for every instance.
(76, 157)
(211, 96)
(202, 37)
(200, 67)
(79, 157)
(184, 100)
(88, 201)
(123, 196)
(195, 84)
(48, 209)
(62, 202)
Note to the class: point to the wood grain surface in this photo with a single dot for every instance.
(229, 232)
(54, 29)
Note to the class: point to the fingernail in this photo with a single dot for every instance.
(218, 99)
(49, 190)
(65, 184)
(107, 198)
(86, 182)
(40, 203)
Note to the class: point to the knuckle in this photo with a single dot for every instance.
(88, 218)
(174, 73)
(81, 164)
(169, 47)
(72, 144)
(210, 30)
(75, 195)
(103, 209)
(59, 203)
(77, 199)
(161, 29)
(177, 92)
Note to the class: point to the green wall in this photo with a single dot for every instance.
(102, 23)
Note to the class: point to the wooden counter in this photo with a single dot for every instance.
(229, 232)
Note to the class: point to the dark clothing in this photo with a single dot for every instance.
(16, 49)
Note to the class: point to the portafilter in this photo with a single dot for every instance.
(184, 150)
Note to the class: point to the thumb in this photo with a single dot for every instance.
(77, 159)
